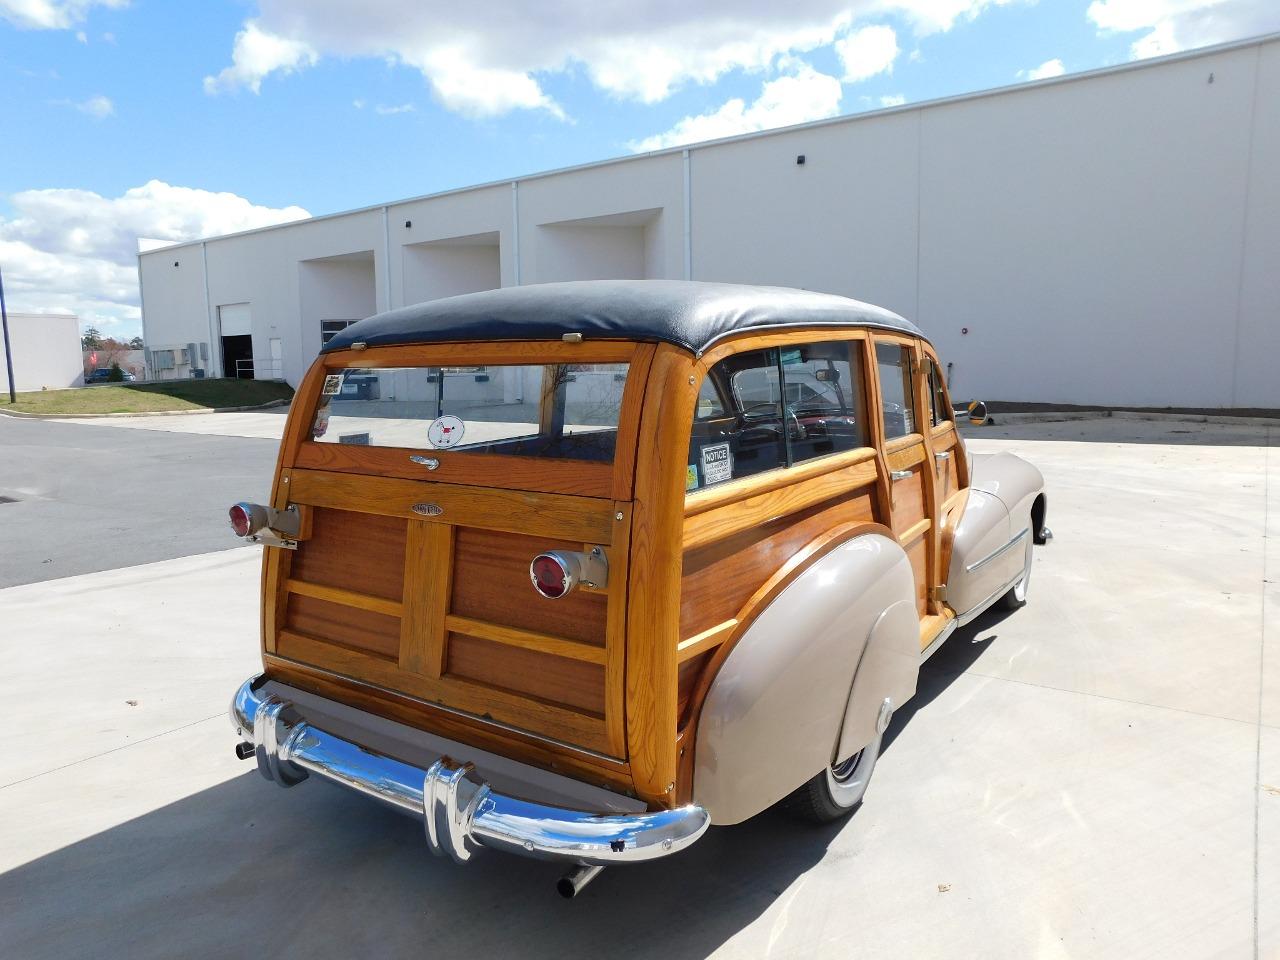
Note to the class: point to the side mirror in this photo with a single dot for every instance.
(978, 414)
(827, 376)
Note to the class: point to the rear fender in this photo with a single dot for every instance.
(775, 715)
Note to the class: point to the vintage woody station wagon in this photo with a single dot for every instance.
(577, 570)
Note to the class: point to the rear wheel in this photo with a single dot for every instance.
(836, 791)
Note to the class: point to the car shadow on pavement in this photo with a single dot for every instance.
(246, 868)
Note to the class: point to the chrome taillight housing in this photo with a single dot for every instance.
(265, 525)
(557, 572)
(247, 519)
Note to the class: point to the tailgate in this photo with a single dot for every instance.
(422, 588)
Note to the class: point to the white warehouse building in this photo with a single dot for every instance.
(1105, 238)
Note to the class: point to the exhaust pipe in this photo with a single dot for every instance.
(571, 884)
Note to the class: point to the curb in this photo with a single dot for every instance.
(18, 414)
(998, 419)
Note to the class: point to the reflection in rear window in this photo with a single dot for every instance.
(559, 411)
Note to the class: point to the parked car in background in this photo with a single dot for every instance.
(103, 375)
(676, 559)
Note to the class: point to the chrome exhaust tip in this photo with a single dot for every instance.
(571, 884)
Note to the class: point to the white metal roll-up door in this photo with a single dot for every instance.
(233, 320)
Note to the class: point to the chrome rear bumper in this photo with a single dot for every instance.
(458, 809)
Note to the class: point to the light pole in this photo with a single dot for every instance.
(8, 354)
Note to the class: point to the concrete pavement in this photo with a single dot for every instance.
(1096, 775)
(89, 497)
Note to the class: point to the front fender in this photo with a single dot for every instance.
(775, 713)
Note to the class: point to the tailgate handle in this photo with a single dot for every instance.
(899, 474)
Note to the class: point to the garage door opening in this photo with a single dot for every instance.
(620, 246)
(334, 292)
(237, 357)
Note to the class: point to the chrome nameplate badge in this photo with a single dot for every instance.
(428, 509)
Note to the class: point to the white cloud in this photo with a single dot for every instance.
(1050, 68)
(51, 14)
(805, 95)
(82, 37)
(490, 58)
(75, 250)
(893, 100)
(358, 103)
(257, 53)
(867, 51)
(387, 111)
(1173, 25)
(97, 106)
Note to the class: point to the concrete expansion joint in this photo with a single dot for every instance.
(124, 746)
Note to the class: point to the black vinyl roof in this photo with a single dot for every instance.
(688, 314)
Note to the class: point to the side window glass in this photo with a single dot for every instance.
(746, 437)
(824, 398)
(894, 363)
(939, 408)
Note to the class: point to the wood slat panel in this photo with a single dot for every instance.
(525, 639)
(491, 583)
(428, 565)
(687, 680)
(363, 630)
(710, 498)
(353, 551)
(485, 735)
(537, 514)
(362, 601)
(570, 727)
(527, 673)
(471, 469)
(720, 577)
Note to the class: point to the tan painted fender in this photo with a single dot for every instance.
(990, 546)
(792, 693)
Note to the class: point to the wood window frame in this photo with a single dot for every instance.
(584, 478)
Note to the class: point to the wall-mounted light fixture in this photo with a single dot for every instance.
(800, 160)
(175, 263)
(408, 224)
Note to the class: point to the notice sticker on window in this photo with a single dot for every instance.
(332, 385)
(691, 477)
(717, 463)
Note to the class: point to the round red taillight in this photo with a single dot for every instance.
(241, 522)
(550, 577)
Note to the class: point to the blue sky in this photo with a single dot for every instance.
(323, 105)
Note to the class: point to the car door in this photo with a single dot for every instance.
(906, 439)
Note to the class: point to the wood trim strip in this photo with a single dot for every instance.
(700, 643)
(915, 531)
(581, 477)
(470, 354)
(624, 448)
(428, 588)
(710, 498)
(653, 583)
(539, 514)
(615, 634)
(476, 699)
(348, 598)
(526, 639)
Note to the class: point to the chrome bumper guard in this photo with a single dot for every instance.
(458, 809)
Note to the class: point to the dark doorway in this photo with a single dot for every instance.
(237, 357)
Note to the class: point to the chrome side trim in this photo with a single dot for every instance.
(457, 808)
(998, 552)
(972, 614)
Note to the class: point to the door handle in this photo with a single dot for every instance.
(942, 455)
(899, 474)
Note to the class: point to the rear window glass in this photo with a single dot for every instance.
(559, 411)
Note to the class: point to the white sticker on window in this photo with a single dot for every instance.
(717, 463)
(332, 384)
(445, 432)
